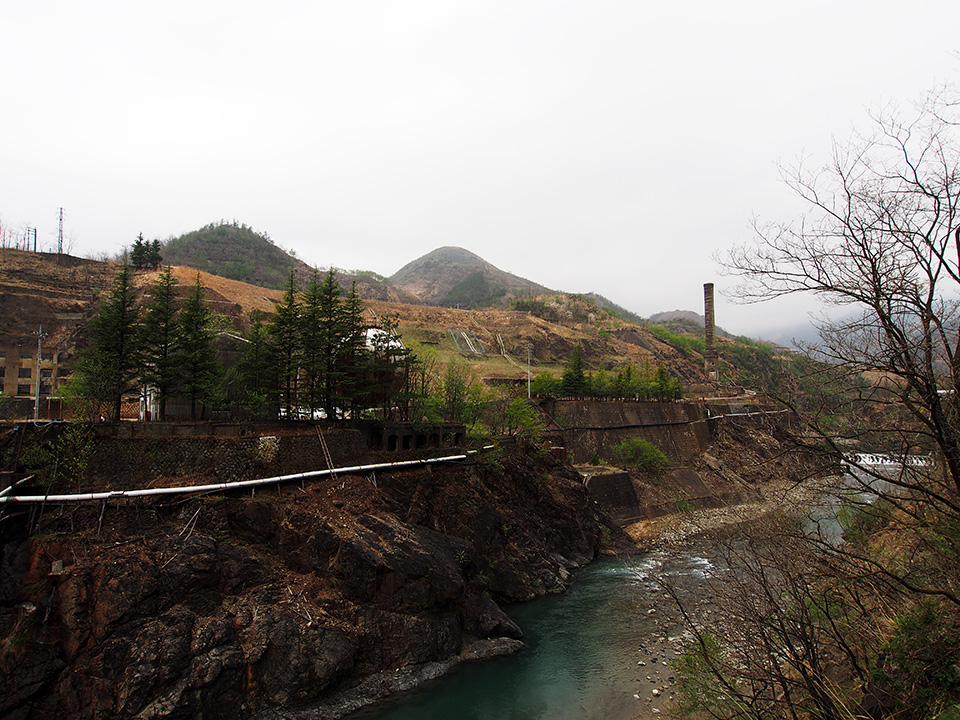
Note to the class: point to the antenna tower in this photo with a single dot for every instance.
(60, 235)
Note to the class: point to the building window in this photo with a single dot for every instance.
(44, 388)
(25, 372)
(3, 354)
(46, 372)
(46, 356)
(26, 355)
(23, 389)
(2, 371)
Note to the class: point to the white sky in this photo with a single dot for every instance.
(608, 146)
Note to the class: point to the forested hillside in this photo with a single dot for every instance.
(234, 251)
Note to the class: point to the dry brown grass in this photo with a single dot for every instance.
(34, 290)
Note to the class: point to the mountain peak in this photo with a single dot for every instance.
(455, 277)
(452, 253)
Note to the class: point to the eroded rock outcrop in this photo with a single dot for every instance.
(241, 607)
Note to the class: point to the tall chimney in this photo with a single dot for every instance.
(710, 355)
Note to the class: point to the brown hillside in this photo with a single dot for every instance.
(438, 278)
(35, 289)
(505, 335)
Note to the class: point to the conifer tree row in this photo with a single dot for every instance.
(109, 368)
(145, 254)
(166, 345)
(312, 359)
(161, 339)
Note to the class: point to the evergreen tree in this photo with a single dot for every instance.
(353, 354)
(111, 364)
(573, 382)
(154, 258)
(311, 342)
(257, 370)
(331, 333)
(601, 385)
(200, 372)
(647, 384)
(287, 345)
(626, 384)
(666, 387)
(161, 339)
(138, 255)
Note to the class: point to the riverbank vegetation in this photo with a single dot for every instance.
(863, 623)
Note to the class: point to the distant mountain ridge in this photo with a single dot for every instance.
(448, 276)
(683, 321)
(455, 277)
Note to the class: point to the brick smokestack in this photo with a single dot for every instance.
(709, 334)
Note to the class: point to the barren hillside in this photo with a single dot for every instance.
(454, 277)
(35, 289)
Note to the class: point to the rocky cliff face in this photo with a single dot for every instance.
(233, 607)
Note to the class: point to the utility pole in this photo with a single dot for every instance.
(36, 403)
(60, 235)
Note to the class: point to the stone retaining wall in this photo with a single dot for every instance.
(679, 429)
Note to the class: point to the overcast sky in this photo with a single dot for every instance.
(608, 146)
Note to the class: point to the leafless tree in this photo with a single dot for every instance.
(787, 639)
(881, 238)
(808, 615)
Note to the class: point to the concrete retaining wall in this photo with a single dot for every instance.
(679, 429)
(616, 495)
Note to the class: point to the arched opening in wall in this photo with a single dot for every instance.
(376, 440)
(457, 439)
(392, 442)
(407, 441)
(421, 440)
(435, 439)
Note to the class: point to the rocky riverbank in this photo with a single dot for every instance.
(679, 547)
(326, 595)
(239, 607)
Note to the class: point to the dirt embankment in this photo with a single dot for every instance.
(233, 607)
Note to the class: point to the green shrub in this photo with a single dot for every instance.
(921, 659)
(690, 346)
(641, 454)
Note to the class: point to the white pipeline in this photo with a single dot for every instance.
(214, 487)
